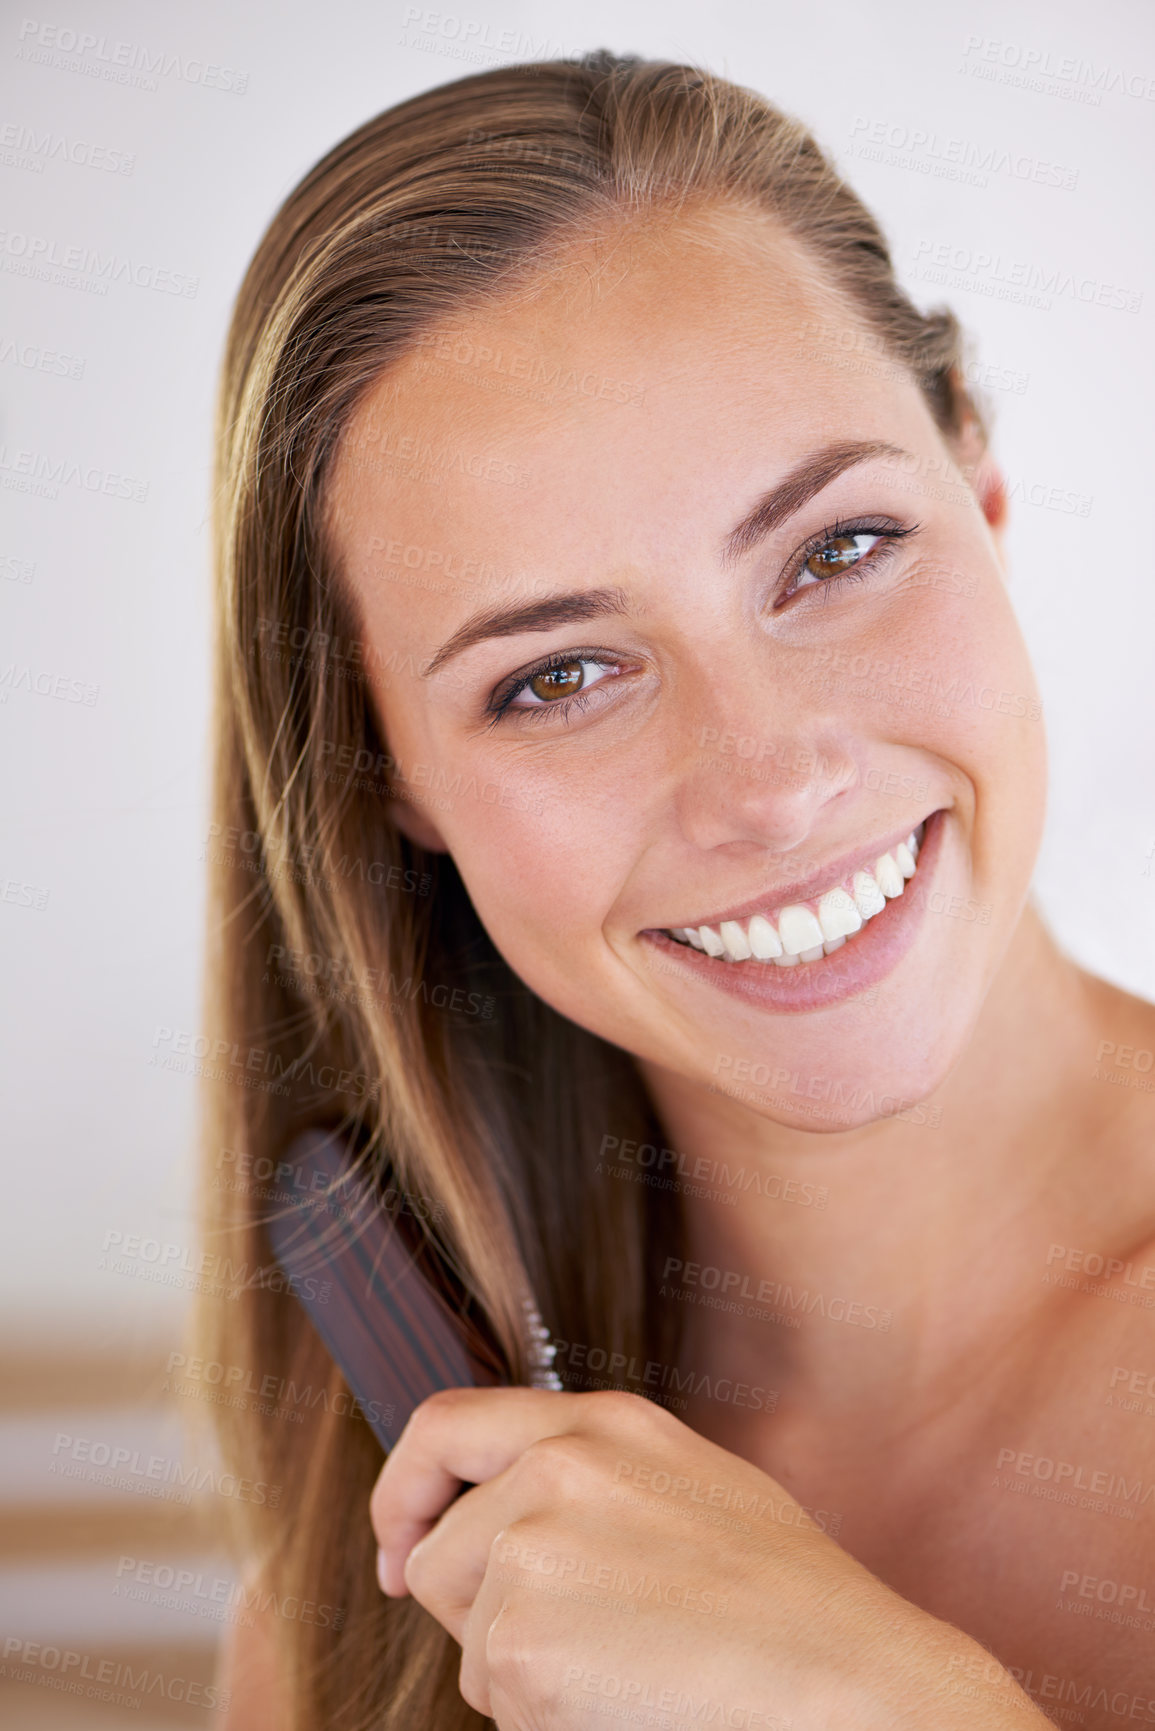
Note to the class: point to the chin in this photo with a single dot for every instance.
(825, 1104)
(888, 1062)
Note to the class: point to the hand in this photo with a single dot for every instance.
(608, 1559)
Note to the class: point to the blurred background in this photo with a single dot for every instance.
(143, 148)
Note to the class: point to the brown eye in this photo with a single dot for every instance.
(570, 676)
(560, 681)
(839, 554)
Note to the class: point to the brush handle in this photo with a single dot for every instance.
(393, 1336)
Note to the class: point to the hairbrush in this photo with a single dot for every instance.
(395, 1322)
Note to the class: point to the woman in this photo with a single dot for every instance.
(608, 548)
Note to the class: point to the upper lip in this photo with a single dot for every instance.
(803, 889)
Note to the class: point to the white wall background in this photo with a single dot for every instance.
(104, 802)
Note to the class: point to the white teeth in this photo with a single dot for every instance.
(711, 942)
(799, 930)
(801, 933)
(837, 915)
(887, 876)
(764, 940)
(734, 938)
(868, 898)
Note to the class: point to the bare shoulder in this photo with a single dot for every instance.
(250, 1676)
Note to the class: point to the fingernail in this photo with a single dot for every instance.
(381, 1568)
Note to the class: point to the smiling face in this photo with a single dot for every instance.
(681, 615)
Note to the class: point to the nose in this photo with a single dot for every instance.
(757, 772)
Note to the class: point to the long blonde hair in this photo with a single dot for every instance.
(498, 1118)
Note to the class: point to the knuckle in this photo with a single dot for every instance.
(620, 1406)
(435, 1406)
(522, 1544)
(557, 1463)
(416, 1571)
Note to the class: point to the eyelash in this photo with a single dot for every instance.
(889, 531)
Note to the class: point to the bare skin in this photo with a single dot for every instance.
(906, 1432)
(629, 814)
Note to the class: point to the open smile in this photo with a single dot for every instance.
(805, 931)
(812, 950)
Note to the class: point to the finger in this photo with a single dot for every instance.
(466, 1435)
(445, 1569)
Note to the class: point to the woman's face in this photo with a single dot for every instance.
(678, 612)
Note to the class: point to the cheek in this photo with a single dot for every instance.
(542, 871)
(949, 670)
(975, 706)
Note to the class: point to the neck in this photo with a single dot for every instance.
(942, 1217)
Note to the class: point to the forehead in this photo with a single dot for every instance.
(641, 383)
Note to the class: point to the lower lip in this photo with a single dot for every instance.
(864, 959)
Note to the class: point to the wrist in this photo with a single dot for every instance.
(921, 1671)
(980, 1691)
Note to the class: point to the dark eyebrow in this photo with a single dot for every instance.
(507, 621)
(804, 480)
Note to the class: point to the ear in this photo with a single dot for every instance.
(973, 456)
(991, 492)
(414, 820)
